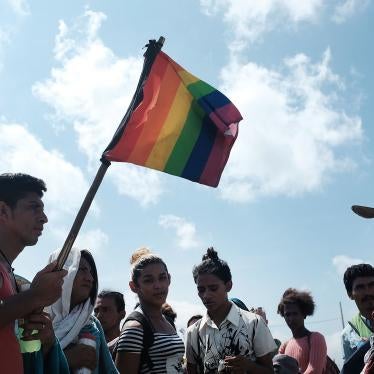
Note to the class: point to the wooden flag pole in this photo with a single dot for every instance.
(63, 255)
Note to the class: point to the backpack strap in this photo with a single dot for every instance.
(148, 336)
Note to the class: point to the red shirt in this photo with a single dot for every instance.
(10, 354)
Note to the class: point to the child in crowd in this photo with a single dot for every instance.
(227, 337)
(308, 348)
(148, 342)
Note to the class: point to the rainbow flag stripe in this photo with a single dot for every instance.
(182, 126)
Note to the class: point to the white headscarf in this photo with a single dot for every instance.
(67, 324)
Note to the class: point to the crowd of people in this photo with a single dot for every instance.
(60, 323)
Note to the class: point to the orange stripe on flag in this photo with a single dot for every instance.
(156, 117)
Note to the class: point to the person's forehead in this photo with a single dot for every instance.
(208, 280)
(106, 301)
(291, 307)
(153, 269)
(362, 281)
(31, 197)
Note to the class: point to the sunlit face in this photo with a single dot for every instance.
(363, 294)
(83, 283)
(107, 313)
(26, 220)
(152, 286)
(212, 291)
(293, 316)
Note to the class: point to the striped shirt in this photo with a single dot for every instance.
(166, 352)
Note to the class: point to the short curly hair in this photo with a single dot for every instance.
(355, 271)
(302, 299)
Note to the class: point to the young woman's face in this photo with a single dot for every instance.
(212, 291)
(83, 283)
(293, 316)
(152, 286)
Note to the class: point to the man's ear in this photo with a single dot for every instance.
(169, 278)
(228, 286)
(350, 295)
(123, 314)
(4, 210)
(133, 286)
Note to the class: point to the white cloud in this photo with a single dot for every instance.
(334, 347)
(4, 40)
(20, 7)
(342, 262)
(22, 152)
(348, 8)
(91, 88)
(291, 131)
(185, 230)
(185, 311)
(94, 240)
(249, 19)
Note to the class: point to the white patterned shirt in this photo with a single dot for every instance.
(241, 333)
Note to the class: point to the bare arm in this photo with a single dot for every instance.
(127, 362)
(45, 289)
(17, 306)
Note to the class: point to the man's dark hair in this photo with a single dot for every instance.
(169, 313)
(302, 299)
(116, 296)
(212, 264)
(14, 187)
(355, 271)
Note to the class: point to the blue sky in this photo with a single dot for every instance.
(301, 75)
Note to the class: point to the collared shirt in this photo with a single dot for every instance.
(351, 341)
(241, 333)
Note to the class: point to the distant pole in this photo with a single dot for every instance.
(341, 314)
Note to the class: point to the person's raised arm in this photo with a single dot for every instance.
(45, 289)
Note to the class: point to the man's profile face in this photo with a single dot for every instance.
(363, 295)
(106, 312)
(25, 221)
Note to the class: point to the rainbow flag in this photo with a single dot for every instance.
(179, 125)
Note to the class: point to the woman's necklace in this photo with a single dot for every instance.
(10, 268)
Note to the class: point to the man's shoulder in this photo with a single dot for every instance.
(250, 318)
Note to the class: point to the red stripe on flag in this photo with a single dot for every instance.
(122, 150)
(157, 116)
(218, 157)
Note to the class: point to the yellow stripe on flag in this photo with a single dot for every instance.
(171, 130)
(187, 77)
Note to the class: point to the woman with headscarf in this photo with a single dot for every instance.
(72, 316)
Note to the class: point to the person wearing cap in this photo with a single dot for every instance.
(359, 284)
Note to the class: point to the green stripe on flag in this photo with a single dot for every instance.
(199, 89)
(186, 141)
